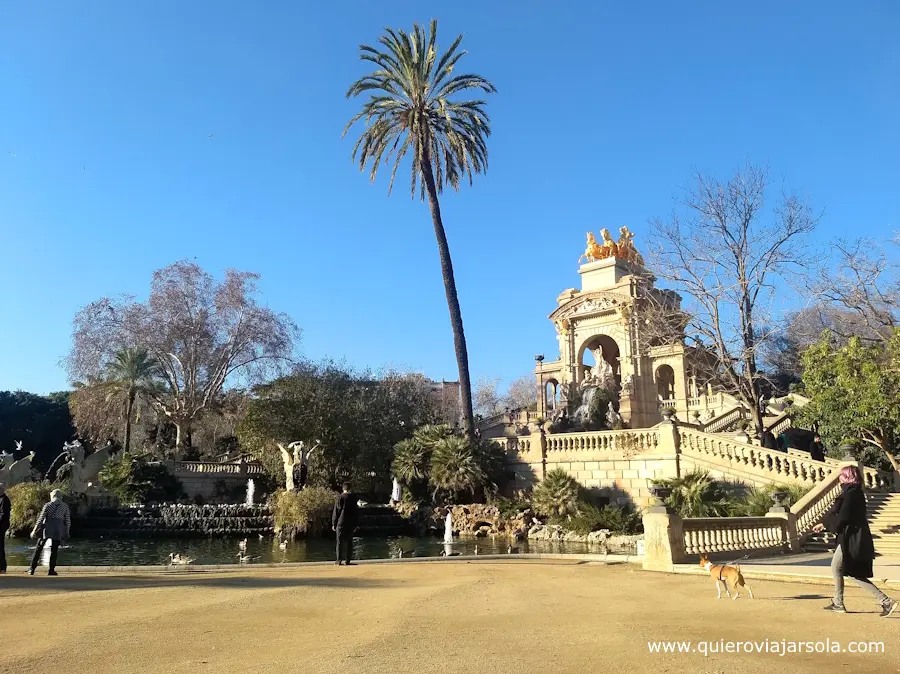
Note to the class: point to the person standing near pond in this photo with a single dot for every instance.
(5, 508)
(53, 524)
(855, 550)
(343, 522)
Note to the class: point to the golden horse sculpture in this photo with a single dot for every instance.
(623, 249)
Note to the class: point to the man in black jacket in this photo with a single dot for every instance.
(817, 449)
(343, 521)
(5, 508)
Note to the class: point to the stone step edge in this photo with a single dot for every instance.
(778, 576)
(205, 568)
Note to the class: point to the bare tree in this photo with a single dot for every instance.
(202, 332)
(860, 292)
(729, 255)
(487, 399)
(521, 394)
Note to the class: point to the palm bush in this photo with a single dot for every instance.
(697, 494)
(456, 468)
(492, 459)
(26, 499)
(557, 495)
(757, 501)
(618, 520)
(305, 512)
(411, 466)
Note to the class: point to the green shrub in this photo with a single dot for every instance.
(304, 512)
(26, 500)
(134, 479)
(557, 495)
(758, 500)
(697, 494)
(509, 507)
(591, 518)
(455, 468)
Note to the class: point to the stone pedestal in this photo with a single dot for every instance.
(663, 540)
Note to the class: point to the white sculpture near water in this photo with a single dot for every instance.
(298, 457)
(396, 492)
(448, 528)
(601, 375)
(84, 472)
(613, 418)
(14, 472)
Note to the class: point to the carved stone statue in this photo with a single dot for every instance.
(84, 472)
(14, 472)
(609, 247)
(613, 418)
(627, 386)
(296, 463)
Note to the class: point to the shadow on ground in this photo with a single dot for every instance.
(85, 583)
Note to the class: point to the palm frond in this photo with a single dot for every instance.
(410, 110)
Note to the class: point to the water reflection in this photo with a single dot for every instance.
(147, 551)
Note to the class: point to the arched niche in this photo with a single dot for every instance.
(665, 382)
(610, 350)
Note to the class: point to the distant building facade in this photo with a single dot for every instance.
(446, 398)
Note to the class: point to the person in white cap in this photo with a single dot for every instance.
(53, 524)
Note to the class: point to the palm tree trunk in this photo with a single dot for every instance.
(129, 409)
(459, 336)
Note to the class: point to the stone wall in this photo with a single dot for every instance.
(202, 479)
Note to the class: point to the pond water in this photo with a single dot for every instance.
(152, 551)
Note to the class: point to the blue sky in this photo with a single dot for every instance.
(604, 109)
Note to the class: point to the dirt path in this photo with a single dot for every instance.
(423, 617)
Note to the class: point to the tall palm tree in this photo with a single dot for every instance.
(129, 375)
(411, 109)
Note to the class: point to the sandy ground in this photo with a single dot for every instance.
(422, 617)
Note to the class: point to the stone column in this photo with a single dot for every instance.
(663, 539)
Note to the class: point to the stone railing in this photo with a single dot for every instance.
(667, 404)
(781, 423)
(208, 467)
(723, 421)
(630, 442)
(737, 456)
(706, 535)
(810, 509)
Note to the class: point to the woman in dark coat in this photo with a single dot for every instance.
(855, 551)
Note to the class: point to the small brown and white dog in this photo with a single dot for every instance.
(724, 576)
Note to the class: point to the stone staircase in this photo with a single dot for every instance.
(883, 511)
(884, 521)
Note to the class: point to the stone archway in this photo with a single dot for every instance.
(551, 394)
(665, 382)
(611, 354)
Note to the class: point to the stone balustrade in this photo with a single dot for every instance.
(638, 441)
(724, 421)
(812, 507)
(219, 468)
(708, 535)
(667, 404)
(740, 457)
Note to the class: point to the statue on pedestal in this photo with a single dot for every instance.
(613, 418)
(13, 472)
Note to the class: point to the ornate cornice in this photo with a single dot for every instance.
(590, 304)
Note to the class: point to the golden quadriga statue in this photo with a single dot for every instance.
(623, 249)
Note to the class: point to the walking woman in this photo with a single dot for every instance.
(53, 523)
(855, 551)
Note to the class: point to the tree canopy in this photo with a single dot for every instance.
(42, 423)
(201, 333)
(357, 416)
(855, 392)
